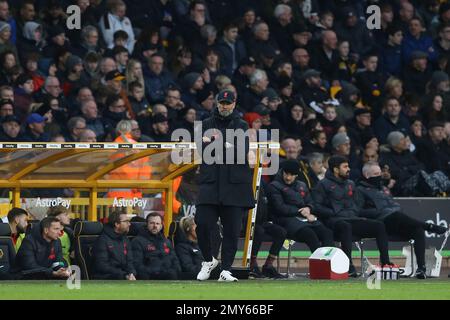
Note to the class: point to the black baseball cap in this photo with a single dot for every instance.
(227, 96)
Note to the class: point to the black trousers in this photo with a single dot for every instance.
(314, 236)
(206, 219)
(400, 224)
(268, 232)
(345, 230)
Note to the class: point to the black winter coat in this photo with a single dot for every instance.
(189, 255)
(286, 200)
(402, 166)
(112, 255)
(335, 199)
(376, 203)
(154, 256)
(226, 184)
(38, 255)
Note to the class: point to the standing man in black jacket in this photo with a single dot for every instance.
(225, 190)
(378, 204)
(154, 256)
(40, 255)
(336, 205)
(113, 259)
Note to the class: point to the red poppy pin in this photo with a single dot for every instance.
(350, 190)
(302, 192)
(52, 255)
(166, 249)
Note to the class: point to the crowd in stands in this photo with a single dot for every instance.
(312, 69)
(309, 68)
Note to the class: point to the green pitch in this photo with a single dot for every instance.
(246, 289)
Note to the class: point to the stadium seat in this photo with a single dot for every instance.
(86, 233)
(7, 251)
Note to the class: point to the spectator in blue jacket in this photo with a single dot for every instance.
(417, 40)
(391, 55)
(157, 80)
(231, 49)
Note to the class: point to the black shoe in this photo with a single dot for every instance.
(352, 272)
(421, 274)
(255, 273)
(271, 272)
(435, 228)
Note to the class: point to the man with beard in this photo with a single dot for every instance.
(336, 206)
(113, 259)
(379, 205)
(17, 219)
(153, 254)
(225, 190)
(160, 128)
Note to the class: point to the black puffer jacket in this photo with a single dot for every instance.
(226, 184)
(286, 200)
(376, 203)
(189, 255)
(113, 257)
(37, 255)
(335, 199)
(154, 256)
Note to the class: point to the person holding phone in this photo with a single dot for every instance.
(292, 207)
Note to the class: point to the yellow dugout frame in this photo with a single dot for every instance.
(67, 165)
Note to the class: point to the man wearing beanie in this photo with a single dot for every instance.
(193, 83)
(401, 162)
(292, 207)
(335, 198)
(378, 204)
(160, 128)
(225, 190)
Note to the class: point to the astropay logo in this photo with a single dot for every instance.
(47, 203)
(134, 202)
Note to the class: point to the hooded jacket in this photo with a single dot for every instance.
(154, 256)
(37, 255)
(28, 44)
(376, 203)
(112, 255)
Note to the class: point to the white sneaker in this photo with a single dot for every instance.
(207, 267)
(227, 277)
